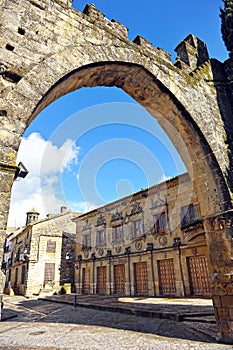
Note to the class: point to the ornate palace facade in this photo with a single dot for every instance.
(151, 243)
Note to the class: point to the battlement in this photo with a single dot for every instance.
(99, 18)
(42, 4)
(139, 40)
(191, 51)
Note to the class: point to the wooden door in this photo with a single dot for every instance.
(141, 278)
(119, 278)
(199, 275)
(86, 281)
(101, 279)
(167, 279)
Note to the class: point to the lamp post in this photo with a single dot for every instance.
(109, 255)
(177, 244)
(128, 251)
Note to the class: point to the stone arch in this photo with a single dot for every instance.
(185, 93)
(32, 88)
(151, 93)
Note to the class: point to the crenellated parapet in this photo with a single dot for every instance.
(98, 18)
(43, 4)
(147, 45)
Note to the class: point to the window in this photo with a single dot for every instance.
(190, 214)
(23, 274)
(117, 234)
(51, 247)
(16, 276)
(137, 228)
(10, 260)
(86, 240)
(100, 238)
(9, 275)
(17, 255)
(160, 223)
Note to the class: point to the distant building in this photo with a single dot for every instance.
(7, 257)
(151, 243)
(39, 257)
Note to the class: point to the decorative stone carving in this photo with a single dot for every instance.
(86, 226)
(101, 251)
(118, 249)
(136, 209)
(138, 245)
(117, 216)
(126, 220)
(86, 253)
(101, 220)
(163, 241)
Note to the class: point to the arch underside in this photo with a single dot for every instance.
(149, 92)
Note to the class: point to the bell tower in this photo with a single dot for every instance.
(32, 217)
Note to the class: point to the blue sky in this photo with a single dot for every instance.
(102, 145)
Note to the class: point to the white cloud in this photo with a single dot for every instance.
(82, 207)
(45, 162)
(164, 178)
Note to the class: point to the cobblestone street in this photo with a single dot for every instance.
(42, 324)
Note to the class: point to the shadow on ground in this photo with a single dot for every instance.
(163, 319)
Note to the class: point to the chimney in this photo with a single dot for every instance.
(63, 210)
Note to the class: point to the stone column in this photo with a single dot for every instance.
(151, 274)
(93, 277)
(219, 235)
(7, 173)
(109, 277)
(128, 277)
(180, 289)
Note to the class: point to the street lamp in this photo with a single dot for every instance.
(21, 171)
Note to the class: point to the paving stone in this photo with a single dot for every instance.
(42, 324)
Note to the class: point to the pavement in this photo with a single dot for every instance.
(177, 309)
(72, 322)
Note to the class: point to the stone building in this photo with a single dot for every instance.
(151, 243)
(39, 257)
(7, 257)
